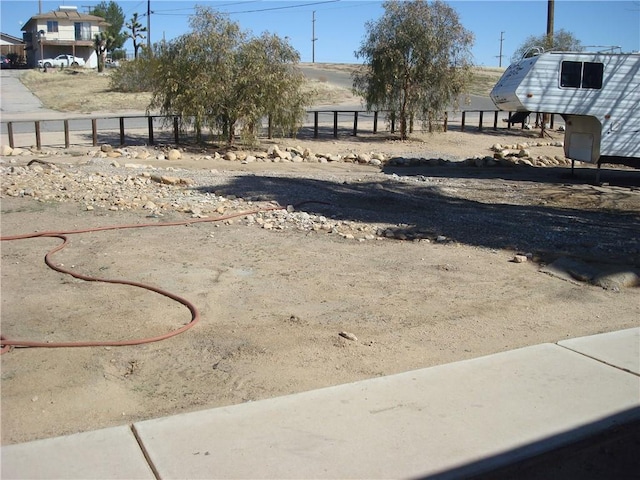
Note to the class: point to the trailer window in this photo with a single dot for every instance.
(570, 75)
(592, 75)
(581, 75)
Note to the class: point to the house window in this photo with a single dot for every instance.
(82, 30)
(52, 26)
(581, 75)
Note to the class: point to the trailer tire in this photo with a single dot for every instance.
(75, 64)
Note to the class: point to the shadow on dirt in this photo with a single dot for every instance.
(581, 175)
(425, 210)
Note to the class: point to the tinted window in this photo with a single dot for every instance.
(570, 74)
(592, 75)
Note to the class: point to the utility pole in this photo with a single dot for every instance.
(550, 15)
(149, 25)
(313, 37)
(500, 56)
(550, 18)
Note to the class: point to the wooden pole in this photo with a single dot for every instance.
(94, 131)
(150, 125)
(10, 133)
(66, 134)
(315, 124)
(121, 131)
(38, 140)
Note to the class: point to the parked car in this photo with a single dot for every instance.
(61, 61)
(5, 62)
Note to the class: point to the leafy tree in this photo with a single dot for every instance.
(221, 78)
(102, 43)
(114, 15)
(561, 40)
(417, 61)
(136, 33)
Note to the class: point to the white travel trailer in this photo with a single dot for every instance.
(597, 94)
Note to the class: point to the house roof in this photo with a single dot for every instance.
(10, 38)
(70, 15)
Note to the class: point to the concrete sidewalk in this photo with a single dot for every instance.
(449, 421)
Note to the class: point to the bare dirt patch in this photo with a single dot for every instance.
(273, 302)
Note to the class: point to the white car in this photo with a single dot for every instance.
(61, 61)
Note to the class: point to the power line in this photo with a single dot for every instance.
(257, 10)
(286, 7)
(217, 6)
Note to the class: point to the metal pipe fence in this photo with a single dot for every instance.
(151, 129)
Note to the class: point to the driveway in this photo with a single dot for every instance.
(17, 102)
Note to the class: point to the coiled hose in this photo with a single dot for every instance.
(6, 344)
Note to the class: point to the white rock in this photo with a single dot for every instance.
(348, 336)
(174, 154)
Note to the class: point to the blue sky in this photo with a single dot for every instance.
(340, 24)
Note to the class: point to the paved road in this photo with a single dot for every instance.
(343, 79)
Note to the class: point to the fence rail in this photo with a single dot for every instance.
(150, 127)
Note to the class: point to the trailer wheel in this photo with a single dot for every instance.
(75, 64)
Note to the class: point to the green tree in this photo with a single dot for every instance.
(114, 15)
(561, 41)
(221, 78)
(136, 33)
(102, 43)
(417, 61)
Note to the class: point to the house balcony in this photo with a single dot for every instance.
(84, 42)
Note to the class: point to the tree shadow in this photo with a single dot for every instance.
(416, 211)
(582, 174)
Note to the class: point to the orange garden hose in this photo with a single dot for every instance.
(6, 344)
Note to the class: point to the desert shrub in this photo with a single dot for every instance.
(119, 54)
(134, 75)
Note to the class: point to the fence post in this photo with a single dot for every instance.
(121, 131)
(446, 121)
(315, 124)
(480, 121)
(355, 123)
(375, 122)
(495, 120)
(66, 134)
(150, 124)
(464, 114)
(38, 141)
(10, 133)
(269, 128)
(176, 130)
(94, 131)
(393, 124)
(335, 124)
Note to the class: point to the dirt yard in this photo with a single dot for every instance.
(273, 302)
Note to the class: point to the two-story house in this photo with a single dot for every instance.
(62, 31)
